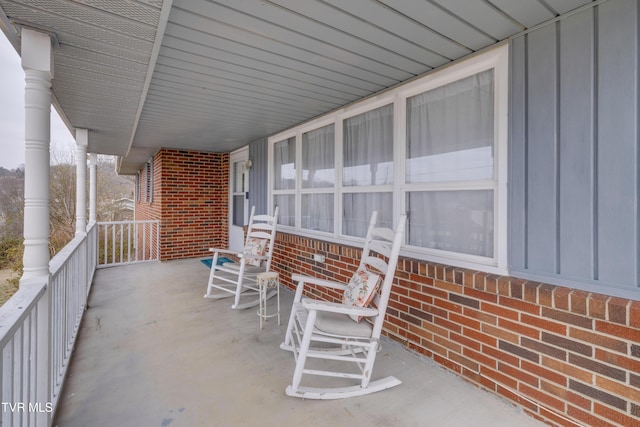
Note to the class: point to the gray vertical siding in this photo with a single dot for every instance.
(258, 175)
(574, 151)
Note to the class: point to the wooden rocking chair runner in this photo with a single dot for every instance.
(239, 279)
(335, 332)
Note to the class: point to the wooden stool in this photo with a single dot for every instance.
(266, 281)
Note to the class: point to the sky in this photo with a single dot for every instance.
(12, 112)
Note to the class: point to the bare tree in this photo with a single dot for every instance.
(11, 203)
(62, 206)
(115, 192)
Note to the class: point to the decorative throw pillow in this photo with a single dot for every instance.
(361, 289)
(254, 247)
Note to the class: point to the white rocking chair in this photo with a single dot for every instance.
(238, 279)
(334, 327)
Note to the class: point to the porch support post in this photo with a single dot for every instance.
(93, 184)
(37, 62)
(82, 142)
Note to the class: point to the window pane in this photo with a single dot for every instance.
(456, 221)
(238, 210)
(286, 204)
(368, 148)
(284, 166)
(358, 208)
(450, 131)
(317, 212)
(238, 177)
(318, 165)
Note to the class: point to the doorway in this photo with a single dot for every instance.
(238, 197)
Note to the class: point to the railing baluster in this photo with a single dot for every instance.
(106, 244)
(142, 240)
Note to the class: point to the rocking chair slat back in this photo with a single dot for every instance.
(327, 323)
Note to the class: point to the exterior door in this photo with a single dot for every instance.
(238, 198)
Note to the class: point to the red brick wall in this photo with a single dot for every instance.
(190, 198)
(567, 357)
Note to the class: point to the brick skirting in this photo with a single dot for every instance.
(567, 357)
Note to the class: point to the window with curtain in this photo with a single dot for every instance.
(284, 181)
(284, 164)
(450, 147)
(318, 179)
(434, 148)
(450, 132)
(367, 172)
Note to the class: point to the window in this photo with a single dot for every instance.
(138, 187)
(434, 148)
(318, 179)
(284, 182)
(367, 172)
(149, 181)
(450, 145)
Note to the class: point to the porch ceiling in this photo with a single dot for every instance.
(217, 75)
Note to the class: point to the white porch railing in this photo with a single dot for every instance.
(38, 330)
(40, 323)
(128, 242)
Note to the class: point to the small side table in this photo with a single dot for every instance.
(266, 282)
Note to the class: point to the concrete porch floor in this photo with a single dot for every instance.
(152, 352)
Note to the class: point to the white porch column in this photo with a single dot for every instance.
(93, 184)
(37, 62)
(82, 142)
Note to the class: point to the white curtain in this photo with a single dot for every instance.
(357, 209)
(317, 212)
(286, 204)
(318, 158)
(318, 171)
(284, 166)
(368, 148)
(368, 161)
(455, 221)
(450, 131)
(450, 137)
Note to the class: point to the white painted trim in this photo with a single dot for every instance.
(241, 154)
(155, 51)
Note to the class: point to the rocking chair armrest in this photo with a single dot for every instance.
(336, 307)
(223, 251)
(316, 281)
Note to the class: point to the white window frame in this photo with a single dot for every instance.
(496, 59)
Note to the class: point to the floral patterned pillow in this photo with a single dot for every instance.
(361, 289)
(255, 247)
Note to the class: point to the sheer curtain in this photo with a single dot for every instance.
(284, 167)
(318, 158)
(455, 221)
(450, 131)
(284, 162)
(368, 161)
(450, 138)
(368, 148)
(357, 209)
(318, 172)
